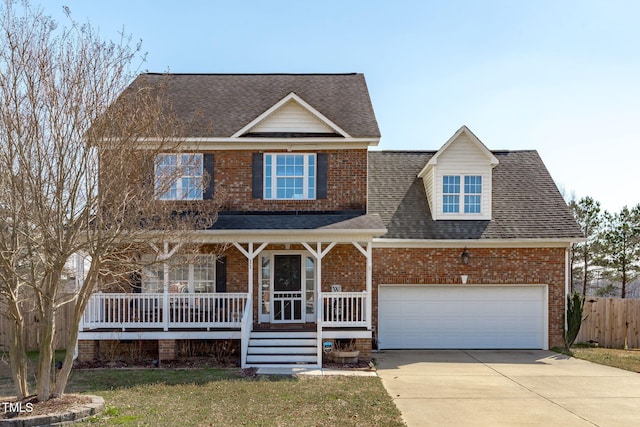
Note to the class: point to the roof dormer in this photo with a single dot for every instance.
(458, 179)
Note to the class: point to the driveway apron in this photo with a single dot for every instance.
(507, 388)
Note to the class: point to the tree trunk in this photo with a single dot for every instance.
(586, 266)
(82, 299)
(45, 359)
(72, 341)
(17, 353)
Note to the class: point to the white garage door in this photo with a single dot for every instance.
(455, 316)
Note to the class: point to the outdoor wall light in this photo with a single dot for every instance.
(465, 256)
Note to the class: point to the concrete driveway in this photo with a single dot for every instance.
(507, 388)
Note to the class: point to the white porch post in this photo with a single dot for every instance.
(318, 254)
(164, 257)
(247, 324)
(319, 314)
(165, 299)
(250, 279)
(250, 254)
(369, 274)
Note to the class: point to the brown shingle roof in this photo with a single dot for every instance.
(354, 221)
(526, 203)
(218, 105)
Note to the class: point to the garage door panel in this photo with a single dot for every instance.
(461, 317)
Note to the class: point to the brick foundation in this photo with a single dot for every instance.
(167, 349)
(87, 350)
(364, 345)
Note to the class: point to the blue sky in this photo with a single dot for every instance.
(561, 77)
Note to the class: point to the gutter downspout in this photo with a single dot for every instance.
(567, 276)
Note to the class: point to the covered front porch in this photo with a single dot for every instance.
(208, 311)
(316, 282)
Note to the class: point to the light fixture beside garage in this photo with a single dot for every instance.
(464, 257)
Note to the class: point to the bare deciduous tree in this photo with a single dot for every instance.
(76, 173)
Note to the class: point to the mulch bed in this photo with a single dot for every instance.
(30, 406)
(182, 363)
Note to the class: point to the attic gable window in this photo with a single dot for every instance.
(469, 195)
(179, 176)
(290, 176)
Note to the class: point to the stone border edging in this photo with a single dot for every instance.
(83, 411)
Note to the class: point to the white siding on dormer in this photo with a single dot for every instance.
(463, 154)
(291, 117)
(462, 157)
(428, 188)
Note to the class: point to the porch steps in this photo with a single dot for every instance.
(282, 349)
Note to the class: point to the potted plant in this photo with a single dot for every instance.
(345, 351)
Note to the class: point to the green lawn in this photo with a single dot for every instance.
(623, 359)
(215, 397)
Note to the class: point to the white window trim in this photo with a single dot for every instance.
(461, 195)
(178, 179)
(274, 177)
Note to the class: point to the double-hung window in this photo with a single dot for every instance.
(462, 194)
(290, 176)
(472, 194)
(186, 274)
(178, 176)
(451, 194)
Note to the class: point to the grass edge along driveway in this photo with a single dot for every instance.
(214, 397)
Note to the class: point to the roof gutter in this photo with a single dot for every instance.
(275, 236)
(252, 143)
(476, 243)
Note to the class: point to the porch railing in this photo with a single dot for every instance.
(164, 310)
(344, 309)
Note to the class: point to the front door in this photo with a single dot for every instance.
(287, 289)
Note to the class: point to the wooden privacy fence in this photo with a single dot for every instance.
(32, 333)
(611, 322)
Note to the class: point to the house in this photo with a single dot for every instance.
(320, 238)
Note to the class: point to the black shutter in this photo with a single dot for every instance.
(221, 274)
(208, 168)
(321, 179)
(257, 181)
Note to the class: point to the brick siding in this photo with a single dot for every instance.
(486, 266)
(346, 183)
